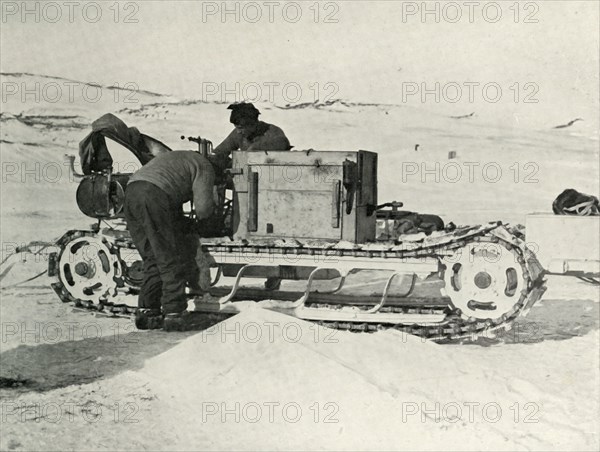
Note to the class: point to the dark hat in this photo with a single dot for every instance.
(243, 112)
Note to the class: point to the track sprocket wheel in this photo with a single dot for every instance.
(88, 269)
(485, 280)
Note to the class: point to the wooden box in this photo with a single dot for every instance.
(320, 195)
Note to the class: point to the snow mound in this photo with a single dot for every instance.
(248, 379)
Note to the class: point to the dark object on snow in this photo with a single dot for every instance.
(94, 154)
(463, 116)
(569, 124)
(572, 202)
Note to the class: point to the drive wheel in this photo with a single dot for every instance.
(485, 280)
(88, 269)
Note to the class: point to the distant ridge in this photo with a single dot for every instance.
(53, 77)
(317, 104)
(52, 121)
(176, 101)
(142, 108)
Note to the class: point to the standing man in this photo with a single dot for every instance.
(163, 235)
(250, 134)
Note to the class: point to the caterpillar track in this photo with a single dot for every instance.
(303, 216)
(490, 279)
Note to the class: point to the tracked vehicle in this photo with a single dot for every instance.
(302, 232)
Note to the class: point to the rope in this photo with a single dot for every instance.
(585, 208)
(21, 249)
(26, 280)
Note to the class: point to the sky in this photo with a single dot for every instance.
(545, 51)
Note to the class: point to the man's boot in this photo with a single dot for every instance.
(148, 319)
(185, 321)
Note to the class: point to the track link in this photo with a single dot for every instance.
(457, 326)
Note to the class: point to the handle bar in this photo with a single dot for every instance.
(205, 146)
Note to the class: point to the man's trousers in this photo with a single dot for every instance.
(163, 237)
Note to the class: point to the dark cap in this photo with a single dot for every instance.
(243, 112)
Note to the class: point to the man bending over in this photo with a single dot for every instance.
(163, 235)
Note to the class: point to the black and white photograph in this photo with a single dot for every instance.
(300, 225)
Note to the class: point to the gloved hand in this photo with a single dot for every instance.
(189, 225)
(220, 162)
(212, 226)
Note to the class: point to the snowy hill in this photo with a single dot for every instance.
(498, 173)
(534, 389)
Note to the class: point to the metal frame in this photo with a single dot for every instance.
(298, 307)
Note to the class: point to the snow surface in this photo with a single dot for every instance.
(117, 388)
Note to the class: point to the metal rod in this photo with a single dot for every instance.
(339, 287)
(384, 296)
(235, 287)
(413, 282)
(300, 301)
(379, 305)
(219, 273)
(252, 225)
